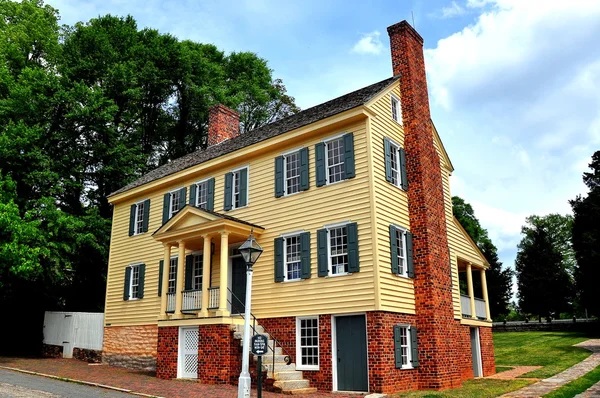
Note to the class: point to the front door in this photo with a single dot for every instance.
(188, 352)
(238, 285)
(476, 352)
(351, 342)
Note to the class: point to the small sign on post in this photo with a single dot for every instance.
(259, 344)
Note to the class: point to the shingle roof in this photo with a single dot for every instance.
(300, 119)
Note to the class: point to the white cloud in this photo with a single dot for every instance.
(451, 11)
(368, 44)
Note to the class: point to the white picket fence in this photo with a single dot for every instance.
(74, 329)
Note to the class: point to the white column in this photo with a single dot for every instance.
(180, 278)
(223, 275)
(488, 316)
(205, 275)
(470, 289)
(165, 279)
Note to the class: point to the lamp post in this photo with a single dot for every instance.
(251, 251)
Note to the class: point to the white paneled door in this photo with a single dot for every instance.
(188, 352)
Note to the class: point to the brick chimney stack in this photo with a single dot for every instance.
(438, 331)
(223, 124)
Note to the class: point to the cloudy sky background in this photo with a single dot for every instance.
(514, 85)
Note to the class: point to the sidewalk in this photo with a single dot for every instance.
(133, 381)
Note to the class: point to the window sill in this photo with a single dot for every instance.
(235, 208)
(340, 274)
(333, 183)
(403, 276)
(407, 367)
(292, 280)
(307, 367)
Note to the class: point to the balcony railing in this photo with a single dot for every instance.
(213, 298)
(191, 300)
(170, 302)
(465, 303)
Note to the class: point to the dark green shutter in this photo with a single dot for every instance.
(127, 283)
(403, 169)
(132, 220)
(320, 164)
(243, 187)
(142, 276)
(279, 260)
(387, 149)
(349, 156)
(397, 347)
(228, 188)
(322, 263)
(210, 195)
(193, 188)
(305, 254)
(414, 360)
(189, 268)
(146, 215)
(166, 202)
(161, 265)
(394, 250)
(409, 256)
(353, 265)
(304, 178)
(279, 177)
(182, 197)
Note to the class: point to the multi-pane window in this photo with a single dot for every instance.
(396, 109)
(134, 282)
(236, 191)
(172, 274)
(292, 173)
(202, 194)
(139, 218)
(307, 343)
(334, 150)
(293, 265)
(401, 251)
(197, 272)
(405, 351)
(338, 250)
(395, 165)
(174, 203)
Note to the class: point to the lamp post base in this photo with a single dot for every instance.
(244, 386)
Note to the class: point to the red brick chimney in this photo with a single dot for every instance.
(438, 331)
(223, 124)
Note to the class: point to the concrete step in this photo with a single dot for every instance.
(289, 375)
(287, 385)
(280, 367)
(268, 358)
(299, 391)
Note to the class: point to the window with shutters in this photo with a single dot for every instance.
(202, 195)
(172, 275)
(401, 252)
(338, 250)
(174, 202)
(334, 159)
(403, 346)
(395, 165)
(197, 272)
(292, 265)
(134, 282)
(139, 218)
(396, 109)
(307, 343)
(291, 165)
(239, 191)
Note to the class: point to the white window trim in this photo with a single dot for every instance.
(171, 213)
(135, 223)
(408, 346)
(285, 269)
(201, 255)
(285, 155)
(333, 226)
(169, 273)
(404, 243)
(394, 146)
(392, 99)
(197, 183)
(325, 141)
(132, 266)
(233, 206)
(299, 365)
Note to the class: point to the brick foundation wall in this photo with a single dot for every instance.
(52, 351)
(487, 351)
(131, 347)
(223, 124)
(218, 356)
(168, 345)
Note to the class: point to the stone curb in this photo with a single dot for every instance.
(87, 383)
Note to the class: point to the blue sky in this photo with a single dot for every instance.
(514, 85)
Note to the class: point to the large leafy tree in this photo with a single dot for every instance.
(499, 279)
(586, 239)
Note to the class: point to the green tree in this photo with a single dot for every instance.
(586, 239)
(544, 285)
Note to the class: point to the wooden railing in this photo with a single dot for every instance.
(170, 302)
(213, 298)
(191, 300)
(465, 303)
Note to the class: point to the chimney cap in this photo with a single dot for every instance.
(402, 28)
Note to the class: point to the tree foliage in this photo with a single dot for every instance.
(84, 110)
(499, 279)
(586, 239)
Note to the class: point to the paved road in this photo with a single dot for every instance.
(20, 385)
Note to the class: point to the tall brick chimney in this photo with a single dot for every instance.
(223, 124)
(437, 329)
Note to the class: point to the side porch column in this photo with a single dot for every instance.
(205, 275)
(165, 279)
(470, 289)
(180, 276)
(223, 277)
(488, 316)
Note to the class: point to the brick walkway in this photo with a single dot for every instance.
(514, 373)
(547, 385)
(592, 392)
(135, 381)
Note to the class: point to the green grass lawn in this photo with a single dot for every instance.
(576, 386)
(552, 350)
(479, 388)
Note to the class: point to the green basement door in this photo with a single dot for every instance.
(351, 342)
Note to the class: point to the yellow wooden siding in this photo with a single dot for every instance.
(391, 207)
(309, 211)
